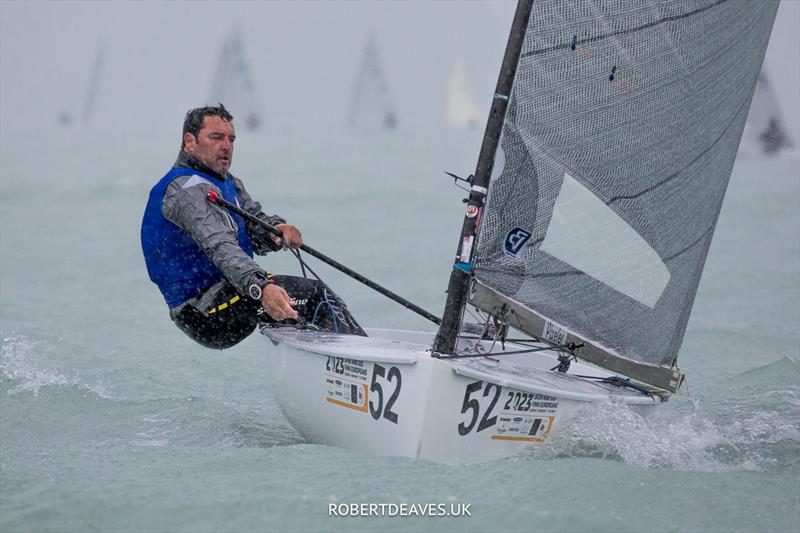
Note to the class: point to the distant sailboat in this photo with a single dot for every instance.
(765, 132)
(371, 107)
(65, 118)
(233, 86)
(462, 112)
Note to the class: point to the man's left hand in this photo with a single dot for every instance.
(292, 238)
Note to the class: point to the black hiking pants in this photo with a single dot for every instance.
(221, 317)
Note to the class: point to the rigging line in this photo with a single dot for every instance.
(494, 354)
(516, 341)
(621, 382)
(304, 265)
(547, 345)
(678, 173)
(623, 32)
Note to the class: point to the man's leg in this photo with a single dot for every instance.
(219, 318)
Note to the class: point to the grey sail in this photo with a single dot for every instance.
(371, 107)
(66, 118)
(616, 150)
(765, 130)
(94, 83)
(233, 85)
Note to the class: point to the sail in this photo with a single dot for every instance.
(765, 130)
(66, 118)
(615, 153)
(371, 108)
(462, 112)
(94, 83)
(233, 85)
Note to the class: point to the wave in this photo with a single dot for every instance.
(750, 422)
(156, 422)
(22, 368)
(193, 421)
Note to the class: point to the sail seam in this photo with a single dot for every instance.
(623, 32)
(692, 162)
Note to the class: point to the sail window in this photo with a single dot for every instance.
(588, 235)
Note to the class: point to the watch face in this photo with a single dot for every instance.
(255, 292)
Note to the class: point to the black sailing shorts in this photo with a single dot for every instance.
(221, 317)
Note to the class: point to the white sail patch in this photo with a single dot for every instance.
(587, 234)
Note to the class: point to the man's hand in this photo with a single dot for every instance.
(277, 303)
(291, 236)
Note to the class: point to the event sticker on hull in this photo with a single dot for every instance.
(506, 414)
(525, 416)
(347, 383)
(523, 427)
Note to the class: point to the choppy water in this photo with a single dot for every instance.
(110, 419)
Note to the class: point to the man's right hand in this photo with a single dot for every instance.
(277, 303)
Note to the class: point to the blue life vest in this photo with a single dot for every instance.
(175, 263)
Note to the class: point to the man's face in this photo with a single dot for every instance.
(214, 144)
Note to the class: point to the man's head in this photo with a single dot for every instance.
(208, 136)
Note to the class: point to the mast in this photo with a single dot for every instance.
(458, 287)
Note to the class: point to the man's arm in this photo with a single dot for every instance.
(262, 239)
(211, 227)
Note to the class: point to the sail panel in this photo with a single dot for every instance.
(642, 104)
(587, 234)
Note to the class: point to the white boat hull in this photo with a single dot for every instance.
(386, 395)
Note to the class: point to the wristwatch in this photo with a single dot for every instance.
(254, 290)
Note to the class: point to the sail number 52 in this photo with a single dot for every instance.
(472, 407)
(376, 409)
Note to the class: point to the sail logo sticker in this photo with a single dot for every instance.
(516, 241)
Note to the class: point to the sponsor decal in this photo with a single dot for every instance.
(554, 333)
(516, 241)
(466, 249)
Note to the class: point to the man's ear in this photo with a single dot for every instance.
(189, 143)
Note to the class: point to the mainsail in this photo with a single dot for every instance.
(371, 108)
(232, 84)
(615, 153)
(765, 130)
(461, 109)
(66, 118)
(94, 83)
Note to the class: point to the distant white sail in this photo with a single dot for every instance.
(233, 85)
(462, 112)
(371, 107)
(765, 132)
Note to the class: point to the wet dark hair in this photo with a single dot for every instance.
(194, 118)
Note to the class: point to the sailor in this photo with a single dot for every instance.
(201, 256)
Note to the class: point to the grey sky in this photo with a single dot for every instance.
(303, 57)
